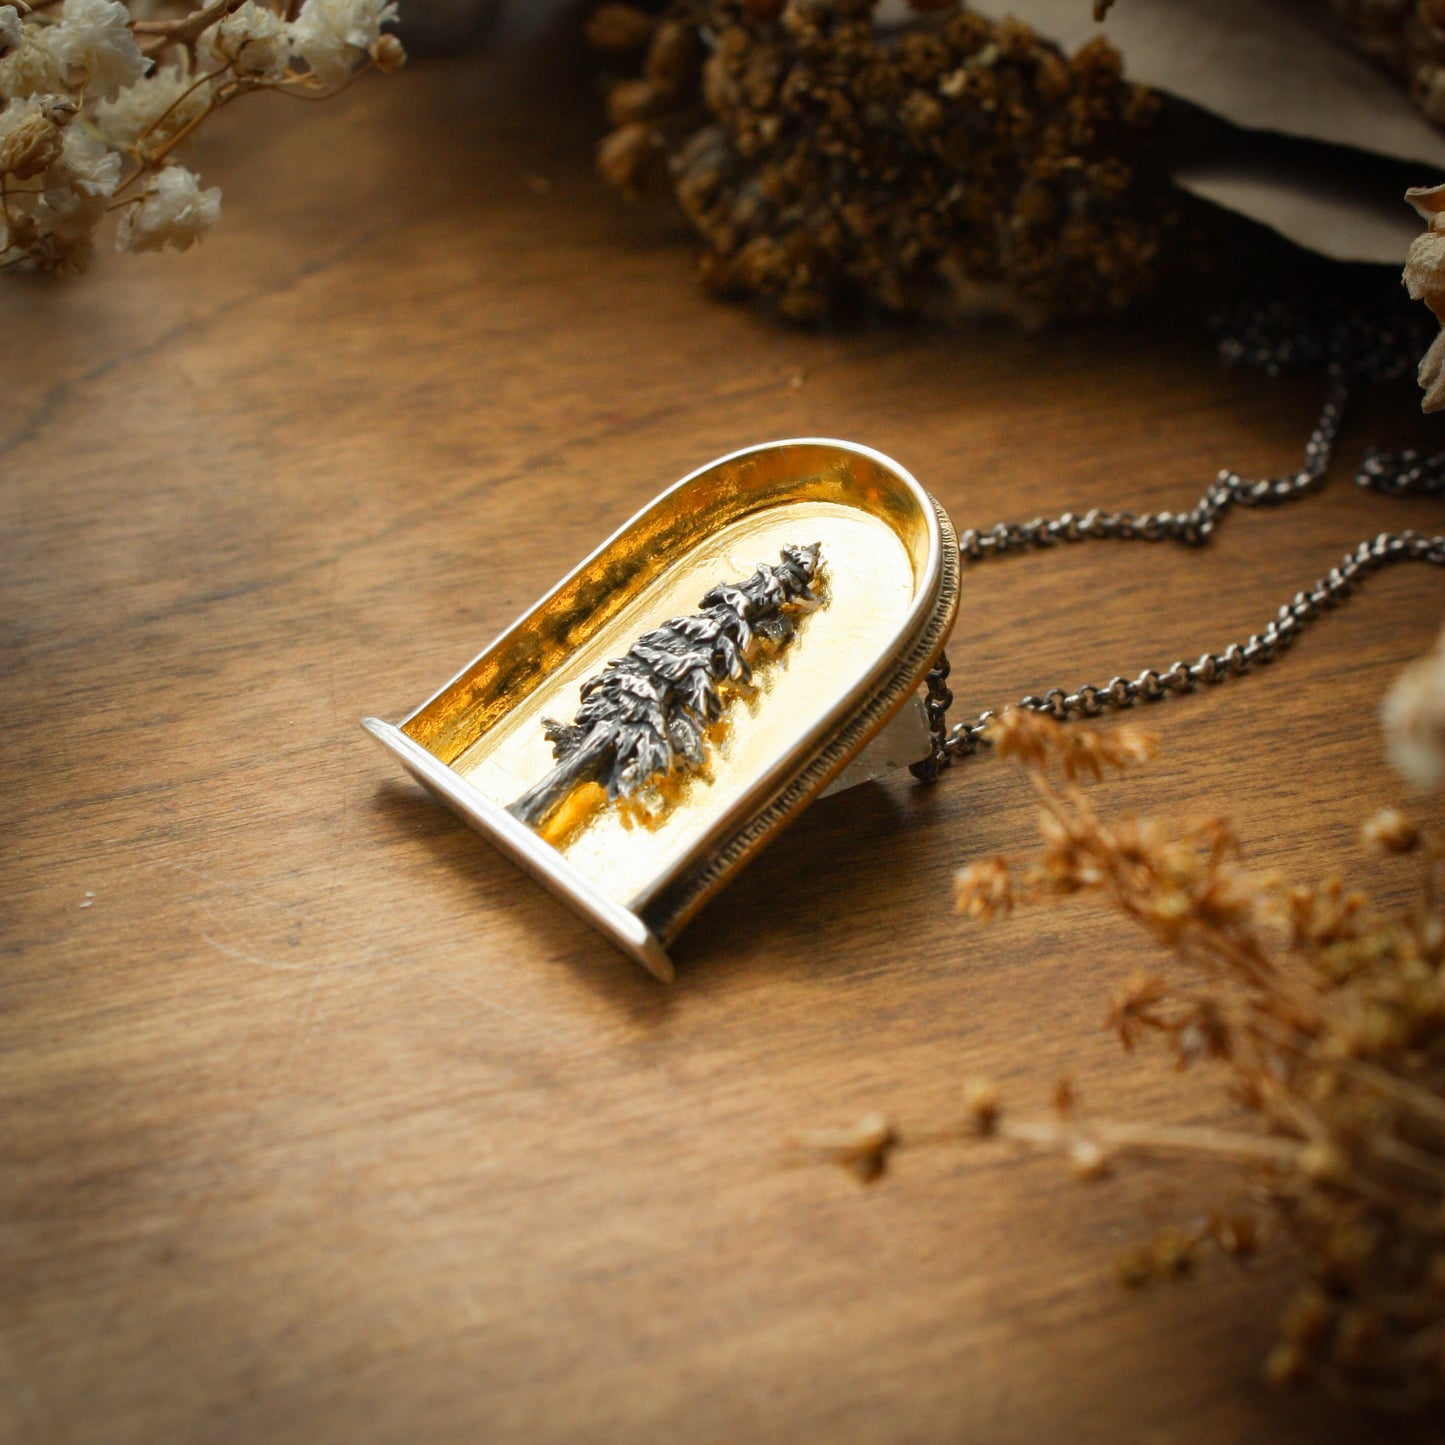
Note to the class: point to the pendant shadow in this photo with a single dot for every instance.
(826, 900)
(826, 896)
(415, 820)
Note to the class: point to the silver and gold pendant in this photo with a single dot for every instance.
(724, 657)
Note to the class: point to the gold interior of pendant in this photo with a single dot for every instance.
(714, 527)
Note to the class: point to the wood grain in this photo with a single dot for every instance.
(320, 1121)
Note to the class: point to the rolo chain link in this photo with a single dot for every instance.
(1396, 474)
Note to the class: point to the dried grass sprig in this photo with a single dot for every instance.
(1327, 1020)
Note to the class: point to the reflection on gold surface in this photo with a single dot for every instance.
(683, 518)
(574, 814)
(870, 587)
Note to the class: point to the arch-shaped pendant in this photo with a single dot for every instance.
(690, 687)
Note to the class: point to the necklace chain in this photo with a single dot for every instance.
(1396, 474)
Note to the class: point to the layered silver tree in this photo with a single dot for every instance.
(645, 715)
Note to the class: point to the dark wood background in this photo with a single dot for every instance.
(320, 1121)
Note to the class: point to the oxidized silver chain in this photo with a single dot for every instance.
(1357, 352)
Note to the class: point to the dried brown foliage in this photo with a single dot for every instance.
(1408, 38)
(955, 163)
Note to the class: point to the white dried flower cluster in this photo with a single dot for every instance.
(174, 212)
(253, 40)
(91, 109)
(158, 105)
(1425, 280)
(331, 35)
(12, 32)
(1414, 718)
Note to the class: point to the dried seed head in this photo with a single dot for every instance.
(673, 56)
(625, 155)
(1324, 1164)
(1136, 1008)
(920, 112)
(12, 33)
(1088, 1160)
(388, 52)
(983, 891)
(1308, 1318)
(949, 163)
(59, 109)
(1429, 203)
(632, 100)
(1390, 831)
(1334, 1038)
(981, 1103)
(1431, 379)
(619, 27)
(864, 1148)
(1127, 746)
(1414, 709)
(1287, 1364)
(30, 146)
(1203, 1034)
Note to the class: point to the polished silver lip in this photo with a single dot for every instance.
(623, 927)
(622, 924)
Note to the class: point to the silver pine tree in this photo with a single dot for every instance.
(645, 715)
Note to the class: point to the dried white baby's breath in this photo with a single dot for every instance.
(11, 31)
(155, 108)
(174, 211)
(33, 67)
(334, 36)
(253, 40)
(30, 140)
(65, 220)
(71, 213)
(1424, 278)
(86, 163)
(1414, 718)
(94, 36)
(91, 116)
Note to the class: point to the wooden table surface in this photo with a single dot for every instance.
(317, 1120)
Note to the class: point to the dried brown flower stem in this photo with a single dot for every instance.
(1328, 1022)
(303, 89)
(187, 29)
(185, 95)
(1152, 1140)
(1429, 1107)
(151, 160)
(223, 96)
(1112, 1137)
